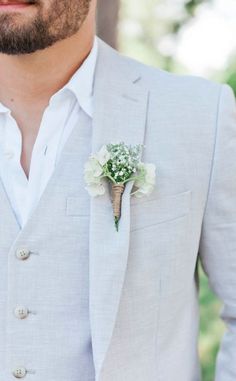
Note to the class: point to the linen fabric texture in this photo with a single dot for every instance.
(142, 286)
(54, 341)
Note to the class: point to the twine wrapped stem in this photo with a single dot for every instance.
(117, 191)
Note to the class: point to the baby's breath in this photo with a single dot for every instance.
(123, 161)
(119, 163)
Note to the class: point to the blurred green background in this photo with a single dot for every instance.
(186, 37)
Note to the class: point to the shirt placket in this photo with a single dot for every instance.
(44, 153)
(13, 174)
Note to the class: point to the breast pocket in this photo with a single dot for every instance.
(154, 211)
(160, 240)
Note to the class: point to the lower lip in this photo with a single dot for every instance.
(13, 7)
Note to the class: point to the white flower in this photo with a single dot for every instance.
(146, 179)
(96, 189)
(102, 156)
(150, 173)
(144, 190)
(93, 168)
(92, 176)
(91, 179)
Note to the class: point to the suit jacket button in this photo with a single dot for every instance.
(19, 372)
(21, 312)
(22, 253)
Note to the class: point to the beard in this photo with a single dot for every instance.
(55, 20)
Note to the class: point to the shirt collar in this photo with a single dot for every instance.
(80, 84)
(3, 109)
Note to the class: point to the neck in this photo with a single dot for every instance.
(36, 77)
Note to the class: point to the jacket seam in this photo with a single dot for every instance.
(214, 150)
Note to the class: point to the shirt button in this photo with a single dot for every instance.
(21, 312)
(19, 372)
(22, 253)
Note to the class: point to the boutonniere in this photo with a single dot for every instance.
(119, 163)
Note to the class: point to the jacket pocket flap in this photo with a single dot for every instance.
(159, 210)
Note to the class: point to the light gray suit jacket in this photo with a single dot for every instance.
(143, 283)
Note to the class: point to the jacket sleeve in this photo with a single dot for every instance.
(218, 237)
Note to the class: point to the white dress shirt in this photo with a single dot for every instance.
(60, 117)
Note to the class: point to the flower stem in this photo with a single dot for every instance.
(117, 191)
(133, 178)
(107, 175)
(116, 223)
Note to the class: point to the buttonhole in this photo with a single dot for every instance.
(34, 252)
(31, 371)
(32, 312)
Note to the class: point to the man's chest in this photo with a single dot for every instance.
(38, 155)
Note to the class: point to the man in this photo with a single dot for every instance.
(80, 301)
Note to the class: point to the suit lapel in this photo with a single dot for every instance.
(120, 109)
